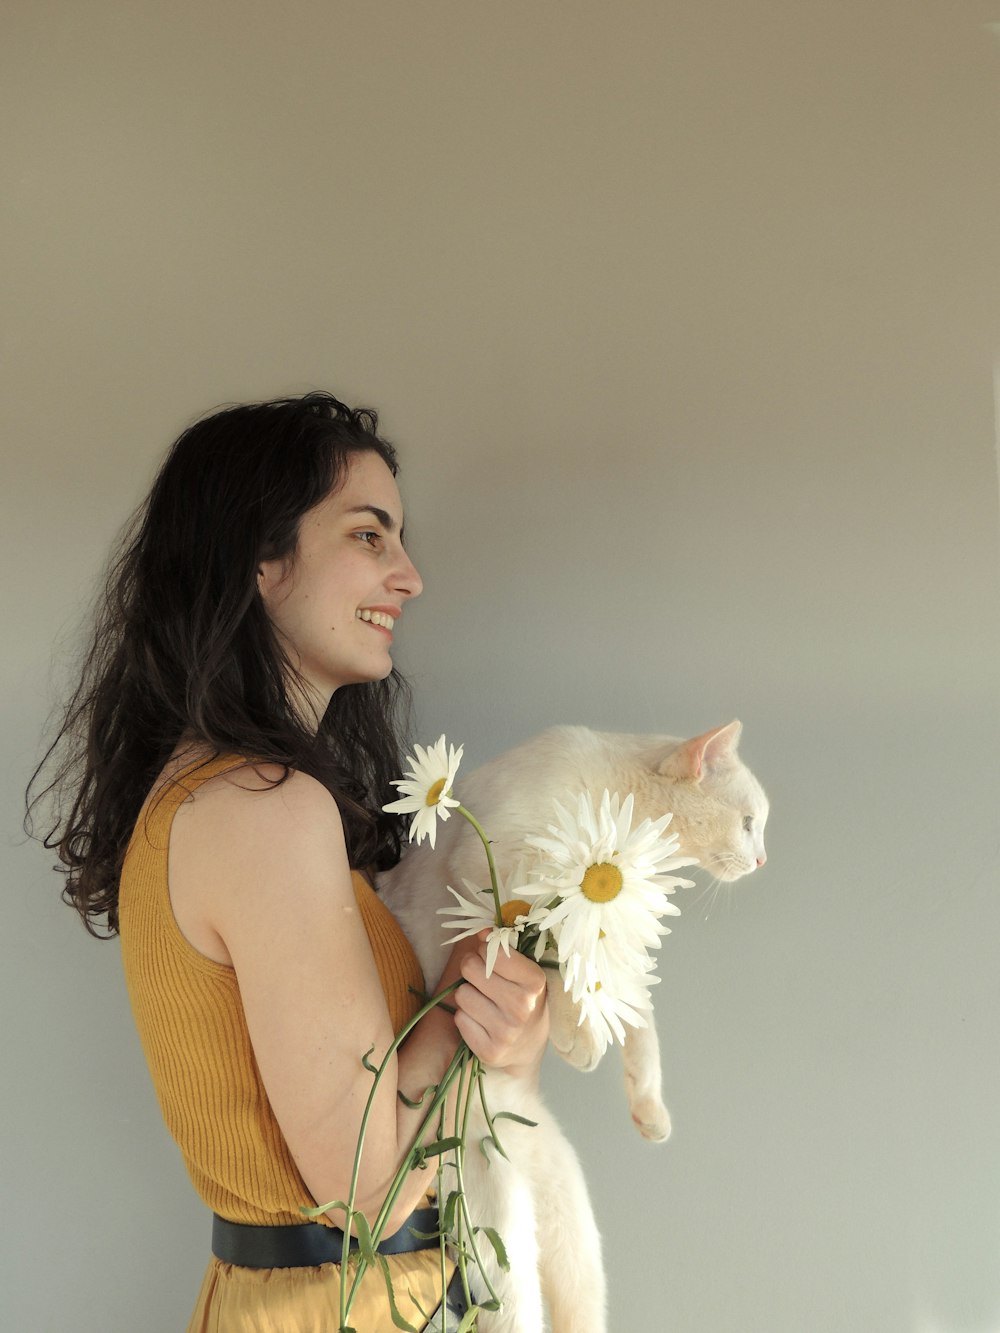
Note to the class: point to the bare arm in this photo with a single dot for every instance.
(277, 894)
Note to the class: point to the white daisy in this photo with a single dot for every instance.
(478, 912)
(612, 880)
(616, 965)
(607, 1008)
(427, 788)
(614, 991)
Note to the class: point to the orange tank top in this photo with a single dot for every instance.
(190, 1019)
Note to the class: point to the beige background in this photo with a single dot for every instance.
(683, 316)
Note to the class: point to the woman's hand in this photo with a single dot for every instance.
(503, 1017)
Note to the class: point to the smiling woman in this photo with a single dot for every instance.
(335, 604)
(238, 710)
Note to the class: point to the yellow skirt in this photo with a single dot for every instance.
(307, 1300)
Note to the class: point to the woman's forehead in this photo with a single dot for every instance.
(367, 486)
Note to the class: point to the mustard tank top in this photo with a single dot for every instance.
(190, 1019)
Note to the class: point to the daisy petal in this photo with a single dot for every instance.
(427, 788)
(609, 890)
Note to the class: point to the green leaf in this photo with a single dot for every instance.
(491, 1138)
(493, 1236)
(424, 1235)
(470, 1320)
(372, 1069)
(441, 1146)
(521, 1120)
(364, 1238)
(416, 1105)
(448, 1216)
(325, 1208)
(397, 1318)
(423, 1313)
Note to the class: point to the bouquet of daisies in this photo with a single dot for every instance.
(587, 896)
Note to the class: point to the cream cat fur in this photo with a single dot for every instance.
(538, 1199)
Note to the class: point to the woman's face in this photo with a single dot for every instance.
(335, 602)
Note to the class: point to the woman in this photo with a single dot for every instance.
(237, 712)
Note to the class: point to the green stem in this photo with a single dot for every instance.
(349, 1209)
(461, 1255)
(407, 1164)
(467, 814)
(440, 1097)
(442, 1248)
(460, 1173)
(394, 1046)
(489, 1118)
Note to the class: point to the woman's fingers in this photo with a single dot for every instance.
(502, 1017)
(515, 967)
(515, 992)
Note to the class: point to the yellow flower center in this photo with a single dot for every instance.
(436, 792)
(515, 908)
(602, 883)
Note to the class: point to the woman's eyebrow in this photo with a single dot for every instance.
(386, 519)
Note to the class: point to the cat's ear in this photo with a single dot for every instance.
(691, 759)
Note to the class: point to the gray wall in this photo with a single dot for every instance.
(683, 316)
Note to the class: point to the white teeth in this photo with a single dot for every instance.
(377, 618)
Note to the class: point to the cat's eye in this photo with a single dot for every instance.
(748, 822)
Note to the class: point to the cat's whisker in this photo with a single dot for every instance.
(711, 892)
(720, 890)
(702, 894)
(730, 896)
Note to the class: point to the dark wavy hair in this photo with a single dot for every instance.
(182, 646)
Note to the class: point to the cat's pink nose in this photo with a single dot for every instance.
(762, 858)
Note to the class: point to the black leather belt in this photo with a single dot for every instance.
(309, 1244)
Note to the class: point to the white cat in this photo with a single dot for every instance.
(538, 1200)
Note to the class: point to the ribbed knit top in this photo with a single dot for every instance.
(190, 1018)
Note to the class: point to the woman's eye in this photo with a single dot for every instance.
(369, 538)
(748, 822)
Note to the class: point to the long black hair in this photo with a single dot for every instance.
(183, 647)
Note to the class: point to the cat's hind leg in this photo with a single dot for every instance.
(501, 1195)
(569, 1244)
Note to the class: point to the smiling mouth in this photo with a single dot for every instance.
(380, 619)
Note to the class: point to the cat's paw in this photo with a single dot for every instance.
(578, 1049)
(651, 1117)
(574, 1040)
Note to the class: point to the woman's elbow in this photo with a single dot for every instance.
(395, 1220)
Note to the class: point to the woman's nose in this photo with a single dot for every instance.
(407, 579)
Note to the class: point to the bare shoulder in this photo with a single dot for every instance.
(253, 844)
(264, 801)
